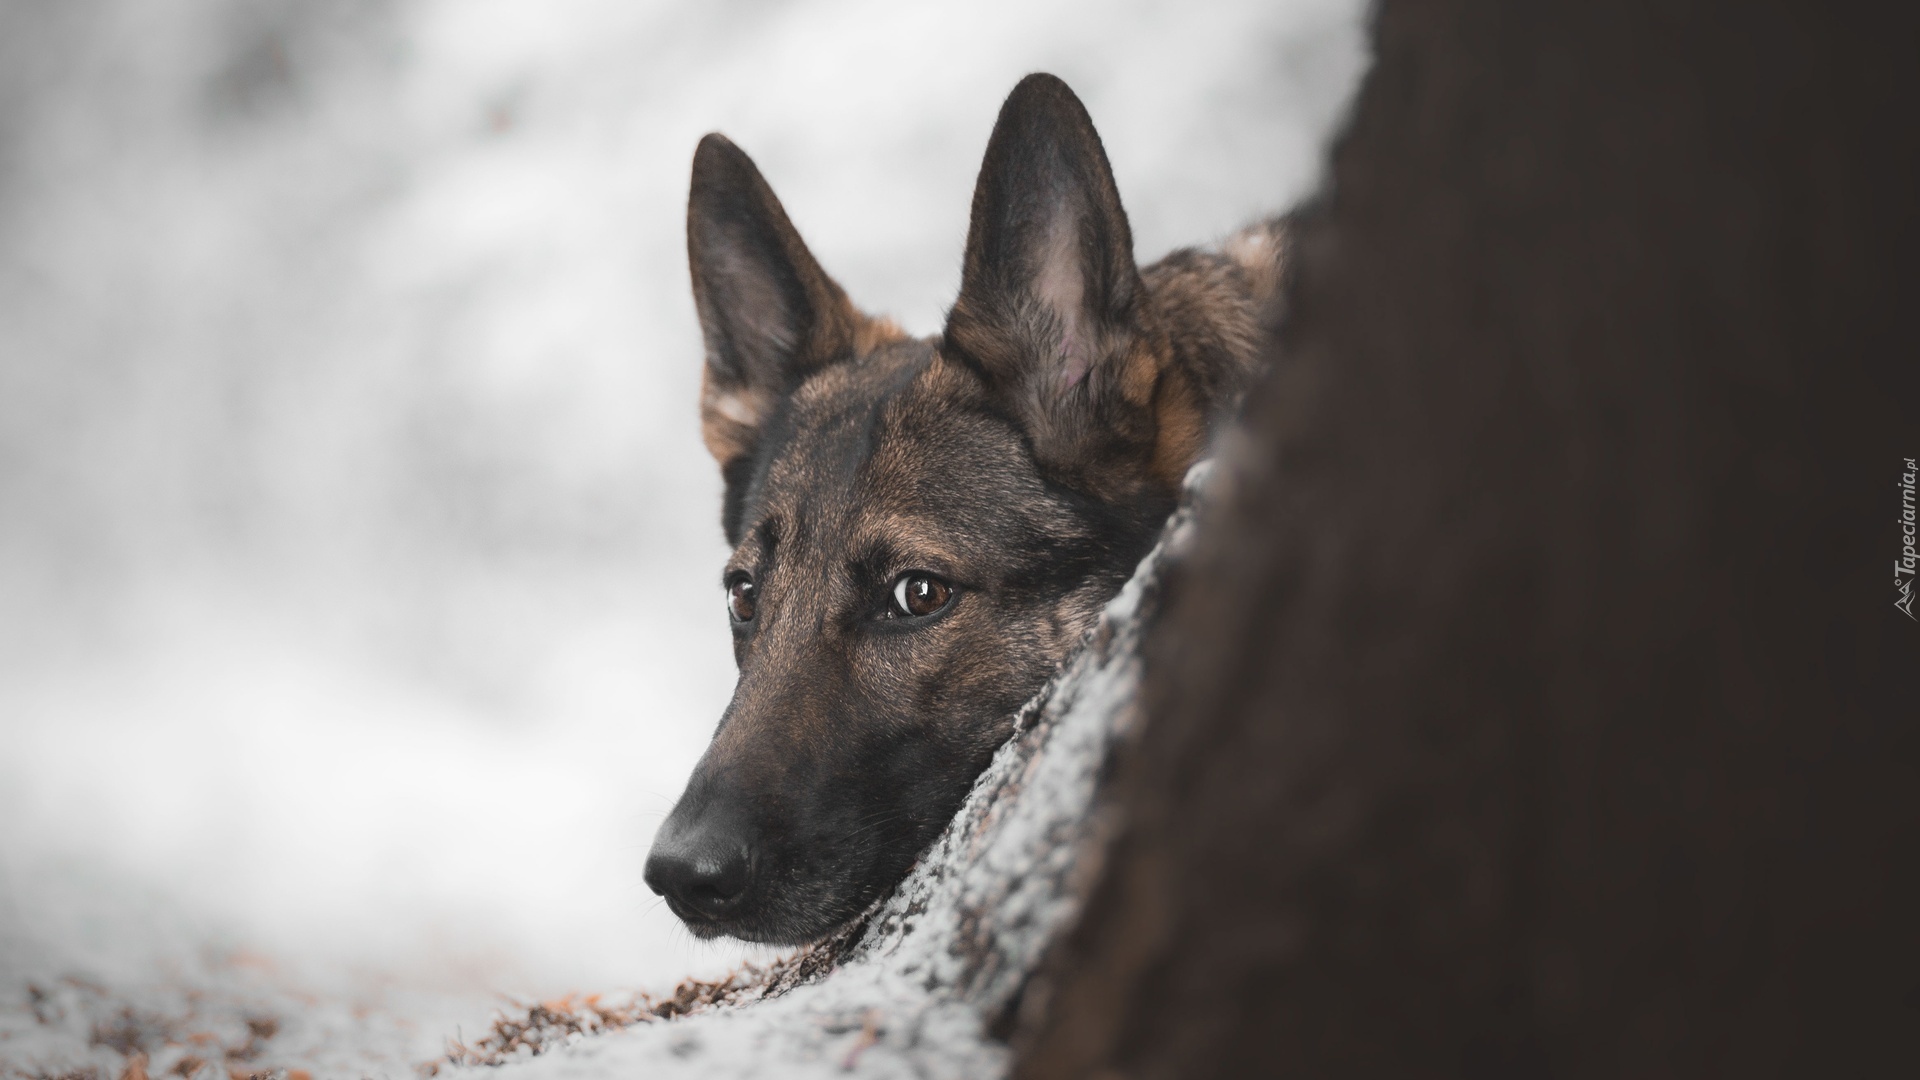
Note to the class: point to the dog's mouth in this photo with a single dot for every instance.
(783, 921)
(785, 872)
(703, 925)
(786, 900)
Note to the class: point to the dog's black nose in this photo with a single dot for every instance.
(703, 869)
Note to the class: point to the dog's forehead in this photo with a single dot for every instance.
(883, 435)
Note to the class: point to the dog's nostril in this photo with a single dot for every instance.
(696, 875)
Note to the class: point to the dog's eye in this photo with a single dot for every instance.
(919, 593)
(740, 598)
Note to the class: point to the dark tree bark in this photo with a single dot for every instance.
(1535, 701)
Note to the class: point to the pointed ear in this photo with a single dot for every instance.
(769, 314)
(1049, 293)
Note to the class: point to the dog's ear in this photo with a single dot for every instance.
(1049, 293)
(769, 313)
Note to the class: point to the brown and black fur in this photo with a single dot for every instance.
(1026, 458)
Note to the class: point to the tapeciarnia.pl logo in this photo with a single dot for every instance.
(1905, 563)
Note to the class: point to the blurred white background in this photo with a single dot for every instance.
(358, 552)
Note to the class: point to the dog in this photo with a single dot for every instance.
(924, 529)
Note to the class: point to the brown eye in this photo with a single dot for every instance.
(740, 599)
(918, 594)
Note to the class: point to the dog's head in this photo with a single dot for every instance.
(923, 529)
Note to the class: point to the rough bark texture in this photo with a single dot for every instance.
(1536, 703)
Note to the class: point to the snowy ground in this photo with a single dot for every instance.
(358, 618)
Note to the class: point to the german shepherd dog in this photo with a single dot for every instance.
(924, 529)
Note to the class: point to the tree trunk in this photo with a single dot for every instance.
(1535, 701)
